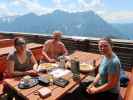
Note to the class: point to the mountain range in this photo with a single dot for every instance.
(126, 28)
(87, 24)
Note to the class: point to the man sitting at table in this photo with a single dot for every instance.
(106, 85)
(53, 48)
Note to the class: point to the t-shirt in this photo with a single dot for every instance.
(110, 67)
(18, 66)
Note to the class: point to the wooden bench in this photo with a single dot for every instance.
(37, 52)
(6, 43)
(128, 95)
(1, 89)
(3, 63)
(123, 90)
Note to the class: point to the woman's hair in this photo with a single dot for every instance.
(108, 40)
(18, 41)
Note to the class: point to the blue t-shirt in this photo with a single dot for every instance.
(110, 67)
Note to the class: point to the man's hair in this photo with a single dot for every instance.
(57, 33)
(108, 40)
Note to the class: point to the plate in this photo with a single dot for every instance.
(45, 66)
(86, 67)
(32, 82)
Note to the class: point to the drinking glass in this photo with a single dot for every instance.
(50, 78)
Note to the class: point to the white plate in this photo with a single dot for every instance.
(45, 66)
(86, 67)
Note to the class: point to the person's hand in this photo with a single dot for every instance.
(32, 73)
(67, 58)
(91, 90)
(52, 60)
(35, 67)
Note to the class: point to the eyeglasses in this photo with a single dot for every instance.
(20, 45)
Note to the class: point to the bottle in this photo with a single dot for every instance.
(94, 63)
(75, 68)
(62, 62)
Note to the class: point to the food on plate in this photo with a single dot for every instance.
(47, 65)
(86, 67)
(26, 79)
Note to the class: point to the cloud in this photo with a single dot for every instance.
(5, 11)
(118, 16)
(31, 6)
(77, 5)
(57, 3)
(20, 7)
(90, 5)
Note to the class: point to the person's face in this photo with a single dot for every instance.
(20, 47)
(104, 47)
(56, 37)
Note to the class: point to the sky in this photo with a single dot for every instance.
(114, 11)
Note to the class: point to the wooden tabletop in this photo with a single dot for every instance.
(29, 94)
(57, 91)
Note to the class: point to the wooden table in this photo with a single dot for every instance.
(57, 92)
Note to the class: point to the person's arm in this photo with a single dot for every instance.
(64, 50)
(12, 72)
(94, 82)
(47, 58)
(112, 80)
(33, 60)
(96, 79)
